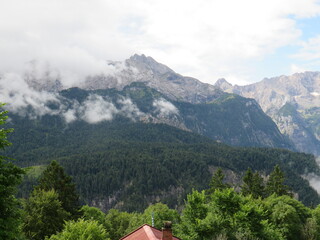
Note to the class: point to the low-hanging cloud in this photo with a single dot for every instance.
(23, 100)
(164, 108)
(96, 109)
(129, 109)
(19, 96)
(313, 178)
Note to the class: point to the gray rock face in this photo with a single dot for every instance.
(140, 68)
(293, 102)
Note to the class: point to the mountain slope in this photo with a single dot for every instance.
(230, 119)
(128, 165)
(292, 102)
(176, 100)
(119, 147)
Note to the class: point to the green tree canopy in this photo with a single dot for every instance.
(275, 184)
(81, 230)
(55, 178)
(10, 177)
(92, 213)
(288, 214)
(217, 181)
(195, 210)
(161, 213)
(253, 184)
(119, 223)
(44, 214)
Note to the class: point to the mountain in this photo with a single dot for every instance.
(137, 68)
(145, 134)
(171, 98)
(229, 119)
(292, 102)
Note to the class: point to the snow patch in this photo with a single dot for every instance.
(315, 94)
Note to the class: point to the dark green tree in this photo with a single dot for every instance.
(275, 183)
(253, 184)
(55, 178)
(194, 212)
(288, 214)
(44, 215)
(92, 213)
(217, 182)
(161, 213)
(119, 223)
(10, 177)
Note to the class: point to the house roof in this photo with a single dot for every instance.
(145, 232)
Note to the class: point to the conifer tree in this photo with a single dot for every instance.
(253, 184)
(55, 178)
(216, 182)
(276, 184)
(259, 189)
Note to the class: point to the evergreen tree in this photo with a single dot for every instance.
(44, 215)
(216, 182)
(253, 184)
(10, 177)
(55, 178)
(276, 184)
(194, 212)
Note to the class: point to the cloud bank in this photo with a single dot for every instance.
(25, 101)
(204, 39)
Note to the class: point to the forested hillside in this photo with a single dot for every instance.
(142, 163)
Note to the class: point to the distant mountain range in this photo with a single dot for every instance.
(293, 102)
(145, 90)
(116, 133)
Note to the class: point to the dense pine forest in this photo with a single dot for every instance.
(136, 163)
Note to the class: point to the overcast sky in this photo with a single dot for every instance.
(242, 41)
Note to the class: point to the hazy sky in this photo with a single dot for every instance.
(242, 41)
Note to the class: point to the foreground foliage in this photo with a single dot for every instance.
(81, 230)
(10, 177)
(54, 177)
(44, 214)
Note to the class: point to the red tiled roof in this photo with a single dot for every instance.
(145, 232)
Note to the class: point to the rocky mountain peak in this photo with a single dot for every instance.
(223, 84)
(143, 63)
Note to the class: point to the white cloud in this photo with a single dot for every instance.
(70, 115)
(95, 109)
(129, 109)
(205, 39)
(18, 95)
(164, 107)
(310, 50)
(25, 101)
(297, 69)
